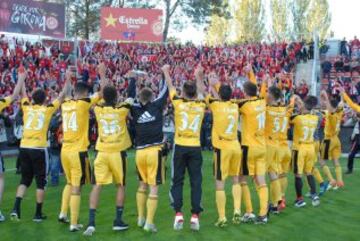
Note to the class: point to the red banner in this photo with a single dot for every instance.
(30, 17)
(131, 24)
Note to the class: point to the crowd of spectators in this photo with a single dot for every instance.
(47, 60)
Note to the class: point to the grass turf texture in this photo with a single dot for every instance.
(337, 218)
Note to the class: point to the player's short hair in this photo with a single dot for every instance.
(39, 96)
(110, 95)
(225, 92)
(250, 88)
(334, 101)
(275, 92)
(190, 89)
(145, 95)
(310, 102)
(81, 88)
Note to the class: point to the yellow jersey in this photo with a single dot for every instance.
(36, 123)
(225, 123)
(5, 102)
(112, 128)
(188, 115)
(277, 124)
(75, 120)
(332, 123)
(253, 116)
(304, 128)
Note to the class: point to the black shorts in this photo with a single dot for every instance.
(34, 164)
(2, 165)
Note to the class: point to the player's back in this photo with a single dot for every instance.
(188, 115)
(225, 124)
(75, 119)
(277, 124)
(112, 128)
(332, 123)
(304, 128)
(253, 116)
(36, 123)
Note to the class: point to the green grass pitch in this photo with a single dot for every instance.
(337, 218)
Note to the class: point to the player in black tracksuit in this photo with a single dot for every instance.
(147, 119)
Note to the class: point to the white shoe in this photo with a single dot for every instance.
(76, 227)
(151, 228)
(89, 231)
(2, 217)
(141, 222)
(194, 223)
(248, 218)
(63, 219)
(315, 200)
(179, 221)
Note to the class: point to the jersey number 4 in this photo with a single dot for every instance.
(70, 121)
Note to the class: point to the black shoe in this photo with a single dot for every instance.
(38, 218)
(273, 210)
(349, 172)
(261, 220)
(119, 225)
(63, 220)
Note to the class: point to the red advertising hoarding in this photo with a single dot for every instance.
(30, 17)
(131, 24)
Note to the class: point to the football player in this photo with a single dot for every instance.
(5, 102)
(33, 154)
(74, 151)
(189, 112)
(110, 163)
(303, 149)
(147, 116)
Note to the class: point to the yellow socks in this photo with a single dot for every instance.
(264, 199)
(283, 185)
(141, 202)
(151, 206)
(221, 203)
(338, 174)
(246, 197)
(74, 208)
(317, 175)
(328, 173)
(65, 200)
(236, 192)
(275, 192)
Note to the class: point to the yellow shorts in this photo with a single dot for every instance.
(331, 149)
(76, 167)
(110, 167)
(272, 159)
(303, 159)
(150, 164)
(284, 155)
(253, 161)
(226, 163)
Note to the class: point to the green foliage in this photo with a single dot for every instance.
(249, 20)
(319, 18)
(299, 12)
(280, 12)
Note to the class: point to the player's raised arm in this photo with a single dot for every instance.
(161, 99)
(348, 101)
(199, 76)
(66, 87)
(131, 90)
(324, 100)
(166, 71)
(20, 83)
(298, 102)
(101, 68)
(214, 85)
